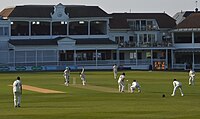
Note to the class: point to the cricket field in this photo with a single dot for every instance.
(100, 98)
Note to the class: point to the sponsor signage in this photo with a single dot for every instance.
(4, 68)
(20, 68)
(36, 68)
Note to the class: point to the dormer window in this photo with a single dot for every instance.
(143, 25)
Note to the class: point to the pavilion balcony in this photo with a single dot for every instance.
(145, 44)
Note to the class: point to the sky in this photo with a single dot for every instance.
(115, 6)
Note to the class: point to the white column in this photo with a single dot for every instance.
(14, 61)
(172, 38)
(192, 38)
(193, 60)
(8, 58)
(10, 28)
(36, 63)
(136, 57)
(75, 57)
(166, 59)
(51, 28)
(88, 27)
(58, 57)
(138, 40)
(68, 28)
(172, 60)
(96, 58)
(152, 58)
(118, 60)
(29, 29)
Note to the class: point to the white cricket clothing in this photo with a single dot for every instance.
(66, 76)
(83, 70)
(82, 76)
(17, 86)
(115, 71)
(191, 77)
(192, 73)
(134, 86)
(17, 92)
(67, 72)
(177, 85)
(121, 83)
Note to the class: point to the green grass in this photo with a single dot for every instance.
(78, 103)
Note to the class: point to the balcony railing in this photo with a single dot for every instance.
(83, 63)
(146, 44)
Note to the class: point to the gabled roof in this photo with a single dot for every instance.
(6, 12)
(44, 11)
(192, 21)
(119, 20)
(188, 13)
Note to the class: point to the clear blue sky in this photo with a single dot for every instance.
(111, 6)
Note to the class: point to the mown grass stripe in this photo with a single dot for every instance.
(96, 88)
(40, 90)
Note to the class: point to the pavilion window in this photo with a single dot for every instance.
(78, 28)
(183, 37)
(143, 25)
(149, 25)
(40, 28)
(98, 28)
(197, 37)
(19, 28)
(59, 28)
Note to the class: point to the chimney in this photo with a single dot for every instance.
(196, 9)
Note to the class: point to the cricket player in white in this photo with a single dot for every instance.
(176, 85)
(82, 76)
(191, 77)
(66, 76)
(135, 85)
(115, 71)
(17, 91)
(121, 82)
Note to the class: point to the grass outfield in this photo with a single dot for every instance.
(101, 103)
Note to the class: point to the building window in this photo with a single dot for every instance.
(148, 55)
(19, 28)
(149, 25)
(197, 37)
(132, 40)
(143, 25)
(78, 28)
(59, 28)
(40, 28)
(4, 31)
(146, 39)
(1, 31)
(98, 28)
(183, 37)
(120, 41)
(151, 38)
